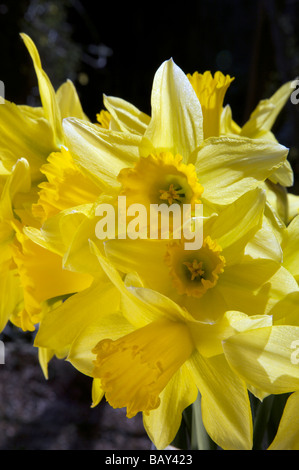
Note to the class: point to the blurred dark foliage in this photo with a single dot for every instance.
(115, 48)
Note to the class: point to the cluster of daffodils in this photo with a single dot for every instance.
(158, 327)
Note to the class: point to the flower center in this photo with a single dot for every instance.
(193, 273)
(195, 268)
(172, 194)
(161, 178)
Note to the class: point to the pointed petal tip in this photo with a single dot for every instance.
(24, 36)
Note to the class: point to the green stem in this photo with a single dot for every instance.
(181, 439)
(261, 422)
(200, 440)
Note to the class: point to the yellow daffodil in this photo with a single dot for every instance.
(33, 273)
(170, 147)
(259, 126)
(154, 324)
(217, 276)
(141, 319)
(34, 132)
(154, 357)
(28, 136)
(217, 120)
(175, 126)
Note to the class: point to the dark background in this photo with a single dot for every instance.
(115, 48)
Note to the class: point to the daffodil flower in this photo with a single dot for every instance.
(31, 274)
(165, 157)
(22, 153)
(147, 318)
(218, 120)
(34, 132)
(260, 124)
(227, 278)
(154, 357)
(152, 323)
(176, 127)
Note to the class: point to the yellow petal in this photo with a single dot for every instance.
(44, 357)
(266, 112)
(266, 357)
(261, 122)
(11, 294)
(176, 123)
(226, 410)
(227, 167)
(290, 248)
(61, 326)
(24, 136)
(57, 232)
(104, 119)
(284, 175)
(78, 256)
(236, 225)
(163, 423)
(97, 392)
(255, 285)
(227, 124)
(128, 117)
(110, 324)
(81, 231)
(287, 437)
(208, 337)
(264, 244)
(286, 311)
(19, 181)
(144, 257)
(102, 153)
(293, 200)
(140, 305)
(69, 102)
(47, 93)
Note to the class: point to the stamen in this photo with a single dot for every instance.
(205, 267)
(161, 177)
(172, 194)
(195, 268)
